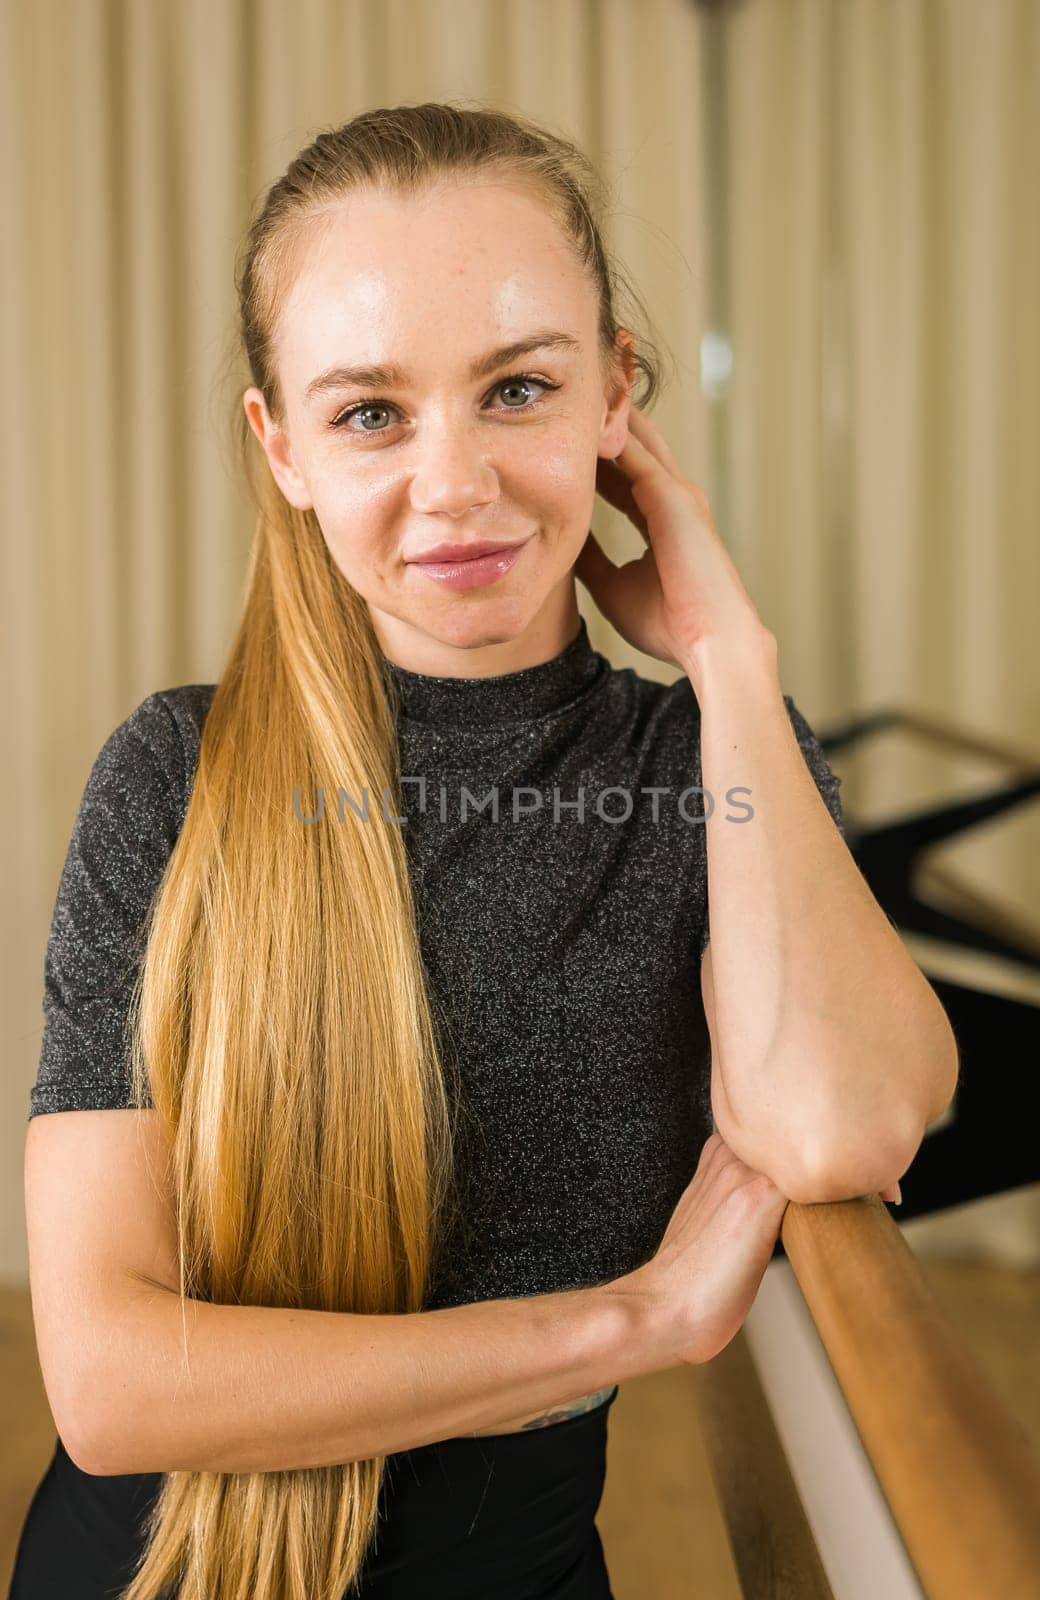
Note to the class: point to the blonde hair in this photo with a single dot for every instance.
(281, 1021)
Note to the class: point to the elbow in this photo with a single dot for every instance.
(947, 1077)
(844, 1166)
(94, 1431)
(84, 1457)
(102, 1455)
(111, 1448)
(70, 1398)
(81, 1442)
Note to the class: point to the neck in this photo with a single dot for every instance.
(481, 707)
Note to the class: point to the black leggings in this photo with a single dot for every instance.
(509, 1515)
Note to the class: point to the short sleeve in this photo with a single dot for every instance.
(129, 818)
(828, 784)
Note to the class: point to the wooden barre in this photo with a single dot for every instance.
(955, 1466)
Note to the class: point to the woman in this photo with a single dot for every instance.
(415, 1002)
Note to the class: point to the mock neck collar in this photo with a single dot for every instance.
(481, 703)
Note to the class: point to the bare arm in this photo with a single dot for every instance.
(274, 1389)
(141, 1380)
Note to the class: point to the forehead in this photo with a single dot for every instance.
(418, 279)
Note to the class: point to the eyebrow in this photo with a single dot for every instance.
(395, 377)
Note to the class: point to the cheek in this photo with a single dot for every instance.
(345, 498)
(563, 470)
(356, 525)
(555, 466)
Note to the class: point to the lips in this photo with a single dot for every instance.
(456, 553)
(476, 572)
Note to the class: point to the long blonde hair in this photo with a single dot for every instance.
(281, 1021)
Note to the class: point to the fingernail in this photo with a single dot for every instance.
(899, 1196)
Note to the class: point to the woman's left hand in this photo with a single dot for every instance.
(684, 588)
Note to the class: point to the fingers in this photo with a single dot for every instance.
(646, 438)
(651, 436)
(616, 489)
(593, 555)
(593, 566)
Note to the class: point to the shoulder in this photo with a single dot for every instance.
(663, 721)
(671, 708)
(658, 721)
(151, 756)
(167, 725)
(136, 794)
(130, 815)
(646, 702)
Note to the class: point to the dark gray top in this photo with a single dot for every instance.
(563, 955)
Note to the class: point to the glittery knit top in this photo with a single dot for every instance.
(562, 942)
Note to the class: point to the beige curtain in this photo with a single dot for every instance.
(830, 208)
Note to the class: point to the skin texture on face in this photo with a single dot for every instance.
(432, 284)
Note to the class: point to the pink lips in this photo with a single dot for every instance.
(470, 571)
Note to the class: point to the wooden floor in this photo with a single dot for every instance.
(659, 1519)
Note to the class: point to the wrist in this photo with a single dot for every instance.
(643, 1342)
(752, 653)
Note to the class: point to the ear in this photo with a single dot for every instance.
(276, 447)
(614, 429)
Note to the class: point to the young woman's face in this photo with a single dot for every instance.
(460, 445)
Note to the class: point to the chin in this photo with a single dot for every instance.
(477, 623)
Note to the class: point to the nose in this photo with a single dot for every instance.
(452, 478)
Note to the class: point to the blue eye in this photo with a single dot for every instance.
(385, 405)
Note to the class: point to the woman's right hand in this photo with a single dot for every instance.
(702, 1280)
